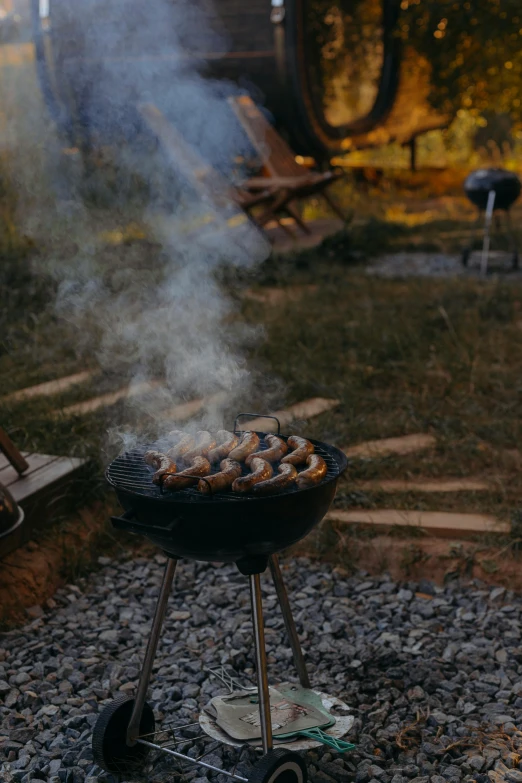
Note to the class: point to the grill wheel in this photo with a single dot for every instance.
(279, 766)
(109, 738)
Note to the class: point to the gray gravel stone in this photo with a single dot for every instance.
(431, 676)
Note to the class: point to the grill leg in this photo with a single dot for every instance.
(261, 668)
(513, 239)
(133, 728)
(291, 630)
(487, 230)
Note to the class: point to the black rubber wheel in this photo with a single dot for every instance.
(109, 738)
(465, 256)
(283, 766)
(514, 262)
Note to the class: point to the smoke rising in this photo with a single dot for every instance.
(161, 317)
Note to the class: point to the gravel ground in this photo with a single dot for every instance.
(434, 676)
(440, 265)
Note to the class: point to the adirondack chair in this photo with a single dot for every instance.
(13, 456)
(287, 179)
(232, 201)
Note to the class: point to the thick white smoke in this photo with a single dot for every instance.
(167, 321)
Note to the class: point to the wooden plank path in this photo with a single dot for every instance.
(426, 485)
(49, 388)
(105, 400)
(437, 523)
(384, 447)
(307, 409)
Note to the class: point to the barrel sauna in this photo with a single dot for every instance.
(326, 70)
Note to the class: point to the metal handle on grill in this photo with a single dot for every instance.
(129, 523)
(257, 416)
(184, 476)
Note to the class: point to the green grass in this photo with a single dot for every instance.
(402, 356)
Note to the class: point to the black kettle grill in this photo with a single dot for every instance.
(220, 527)
(492, 191)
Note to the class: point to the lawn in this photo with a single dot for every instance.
(439, 356)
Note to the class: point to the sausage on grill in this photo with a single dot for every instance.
(314, 473)
(247, 445)
(184, 444)
(186, 478)
(302, 449)
(204, 442)
(226, 442)
(276, 449)
(261, 470)
(287, 476)
(230, 470)
(161, 462)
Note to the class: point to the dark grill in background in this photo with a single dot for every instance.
(492, 191)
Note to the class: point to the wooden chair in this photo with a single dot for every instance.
(235, 203)
(287, 179)
(13, 456)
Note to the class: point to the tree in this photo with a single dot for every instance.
(475, 49)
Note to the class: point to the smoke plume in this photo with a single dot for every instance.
(161, 317)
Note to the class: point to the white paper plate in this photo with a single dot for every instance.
(340, 728)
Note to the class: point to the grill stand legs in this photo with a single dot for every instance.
(487, 230)
(259, 640)
(133, 729)
(484, 230)
(261, 667)
(282, 597)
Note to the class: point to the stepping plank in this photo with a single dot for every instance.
(105, 400)
(307, 409)
(425, 485)
(438, 523)
(274, 296)
(186, 410)
(119, 236)
(407, 444)
(50, 387)
(42, 492)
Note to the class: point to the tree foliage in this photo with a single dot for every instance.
(475, 49)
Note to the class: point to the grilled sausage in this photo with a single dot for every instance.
(204, 442)
(160, 461)
(199, 467)
(230, 470)
(316, 471)
(184, 444)
(287, 476)
(261, 470)
(226, 442)
(302, 449)
(247, 445)
(276, 449)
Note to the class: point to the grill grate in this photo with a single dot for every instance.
(129, 472)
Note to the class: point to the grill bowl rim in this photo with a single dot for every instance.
(178, 498)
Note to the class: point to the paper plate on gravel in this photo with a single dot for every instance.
(341, 727)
